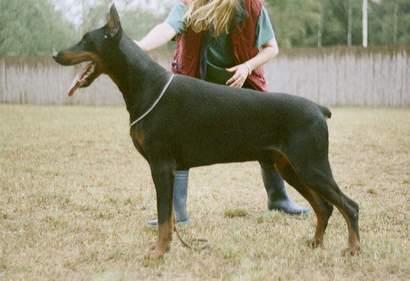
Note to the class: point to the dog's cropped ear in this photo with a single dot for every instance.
(113, 22)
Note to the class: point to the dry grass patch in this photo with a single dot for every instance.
(235, 213)
(75, 196)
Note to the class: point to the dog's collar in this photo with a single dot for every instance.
(155, 102)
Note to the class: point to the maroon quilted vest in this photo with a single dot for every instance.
(188, 50)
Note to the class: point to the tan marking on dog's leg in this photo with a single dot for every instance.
(163, 242)
(322, 211)
(353, 248)
(323, 214)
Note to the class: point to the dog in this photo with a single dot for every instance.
(179, 122)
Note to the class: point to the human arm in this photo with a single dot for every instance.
(158, 36)
(241, 72)
(165, 31)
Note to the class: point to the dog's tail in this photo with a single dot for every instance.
(325, 111)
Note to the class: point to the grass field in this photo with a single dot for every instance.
(75, 196)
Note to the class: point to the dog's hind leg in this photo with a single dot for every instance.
(163, 176)
(317, 175)
(328, 189)
(307, 151)
(322, 209)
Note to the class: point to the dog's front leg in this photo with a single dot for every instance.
(163, 176)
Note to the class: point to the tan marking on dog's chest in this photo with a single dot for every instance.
(138, 136)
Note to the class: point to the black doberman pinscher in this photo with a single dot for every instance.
(178, 122)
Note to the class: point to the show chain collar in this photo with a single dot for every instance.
(155, 102)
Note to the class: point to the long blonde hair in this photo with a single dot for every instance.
(213, 15)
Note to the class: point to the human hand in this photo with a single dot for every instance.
(242, 72)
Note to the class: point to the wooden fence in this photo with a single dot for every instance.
(42, 81)
(333, 76)
(340, 76)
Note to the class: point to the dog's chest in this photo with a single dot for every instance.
(138, 138)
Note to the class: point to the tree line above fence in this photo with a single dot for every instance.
(311, 23)
(34, 27)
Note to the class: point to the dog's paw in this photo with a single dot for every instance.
(154, 253)
(351, 251)
(314, 243)
(152, 246)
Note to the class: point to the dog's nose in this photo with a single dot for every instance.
(54, 53)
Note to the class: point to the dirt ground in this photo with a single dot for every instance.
(75, 197)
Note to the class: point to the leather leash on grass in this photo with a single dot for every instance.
(190, 245)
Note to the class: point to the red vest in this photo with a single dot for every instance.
(188, 51)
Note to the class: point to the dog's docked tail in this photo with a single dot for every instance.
(325, 111)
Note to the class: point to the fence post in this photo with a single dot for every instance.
(365, 23)
(2, 81)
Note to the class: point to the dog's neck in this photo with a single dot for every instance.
(139, 78)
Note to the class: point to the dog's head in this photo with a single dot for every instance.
(92, 48)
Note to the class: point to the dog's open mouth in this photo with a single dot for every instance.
(84, 78)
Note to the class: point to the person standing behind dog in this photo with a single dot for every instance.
(224, 42)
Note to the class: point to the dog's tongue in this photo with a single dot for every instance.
(74, 85)
(80, 79)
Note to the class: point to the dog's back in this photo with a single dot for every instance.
(226, 103)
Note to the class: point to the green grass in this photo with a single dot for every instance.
(75, 196)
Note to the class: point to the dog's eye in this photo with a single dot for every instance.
(106, 33)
